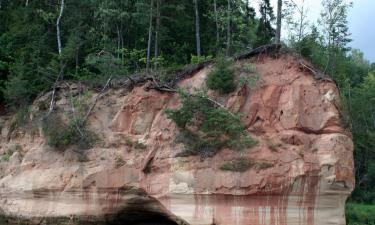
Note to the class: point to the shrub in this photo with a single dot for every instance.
(198, 59)
(14, 148)
(222, 76)
(139, 145)
(20, 118)
(195, 145)
(60, 135)
(5, 157)
(360, 214)
(135, 144)
(250, 81)
(219, 127)
(16, 91)
(247, 68)
(242, 165)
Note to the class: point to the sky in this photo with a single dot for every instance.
(361, 20)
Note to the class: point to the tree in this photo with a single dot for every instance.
(229, 13)
(58, 34)
(149, 37)
(197, 31)
(296, 18)
(278, 27)
(217, 24)
(333, 20)
(156, 53)
(265, 32)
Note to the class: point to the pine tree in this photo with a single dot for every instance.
(265, 31)
(335, 25)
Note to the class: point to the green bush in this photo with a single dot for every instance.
(135, 144)
(20, 118)
(198, 59)
(195, 145)
(60, 135)
(242, 165)
(219, 127)
(247, 68)
(16, 92)
(5, 157)
(250, 81)
(360, 214)
(222, 76)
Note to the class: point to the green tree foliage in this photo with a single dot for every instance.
(222, 76)
(362, 106)
(265, 32)
(29, 59)
(329, 52)
(220, 128)
(360, 214)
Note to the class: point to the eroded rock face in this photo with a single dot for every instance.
(294, 117)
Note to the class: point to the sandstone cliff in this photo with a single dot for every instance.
(134, 174)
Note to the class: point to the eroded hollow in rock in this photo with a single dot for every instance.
(142, 211)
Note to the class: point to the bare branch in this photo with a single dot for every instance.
(52, 103)
(96, 100)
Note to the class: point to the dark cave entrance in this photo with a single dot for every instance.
(141, 218)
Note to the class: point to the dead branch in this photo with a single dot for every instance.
(52, 103)
(96, 100)
(317, 75)
(73, 111)
(217, 104)
(259, 50)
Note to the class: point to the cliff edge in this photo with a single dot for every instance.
(301, 169)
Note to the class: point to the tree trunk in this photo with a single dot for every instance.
(156, 55)
(228, 28)
(27, 3)
(58, 33)
(77, 60)
(122, 40)
(217, 26)
(118, 41)
(149, 38)
(278, 28)
(197, 32)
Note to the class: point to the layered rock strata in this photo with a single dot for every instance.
(134, 175)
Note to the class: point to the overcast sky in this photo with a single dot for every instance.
(361, 22)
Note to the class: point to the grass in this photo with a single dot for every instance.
(247, 68)
(60, 135)
(20, 118)
(360, 214)
(135, 144)
(5, 157)
(242, 165)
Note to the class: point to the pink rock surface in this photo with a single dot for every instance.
(294, 117)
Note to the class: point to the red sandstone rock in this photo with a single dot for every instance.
(294, 117)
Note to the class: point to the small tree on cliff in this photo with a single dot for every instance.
(222, 76)
(218, 127)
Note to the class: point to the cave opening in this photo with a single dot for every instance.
(139, 217)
